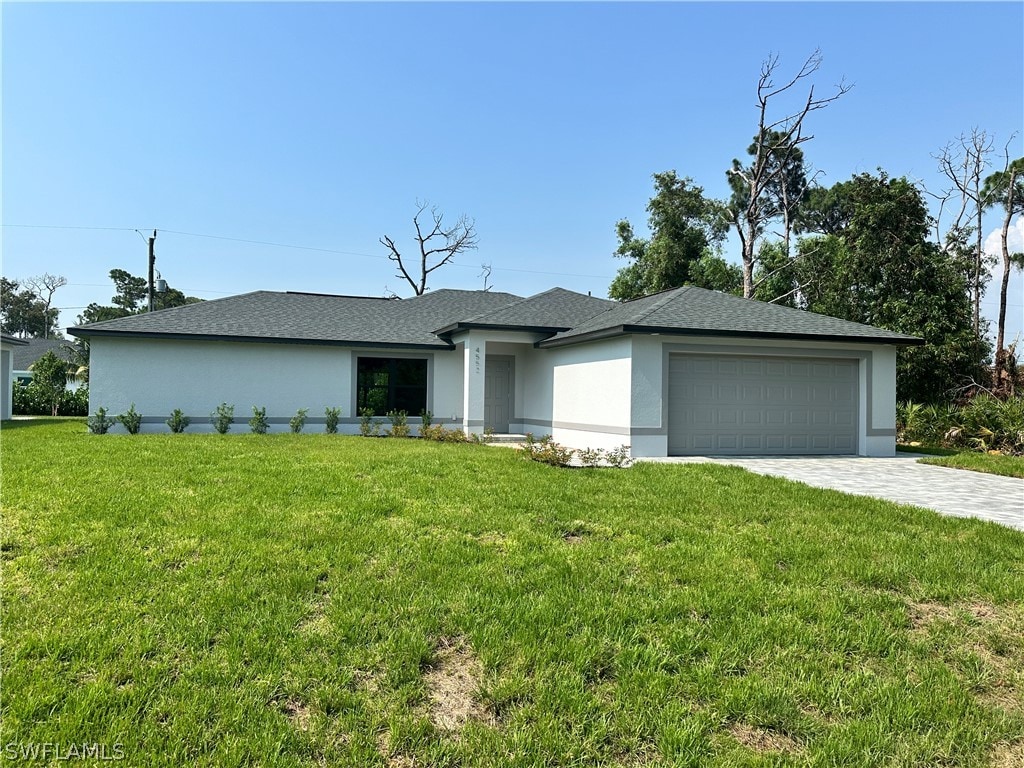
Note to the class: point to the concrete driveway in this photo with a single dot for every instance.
(955, 492)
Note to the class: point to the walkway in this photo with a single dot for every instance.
(955, 492)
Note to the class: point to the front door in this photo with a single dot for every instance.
(497, 393)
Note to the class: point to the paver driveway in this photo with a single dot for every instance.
(956, 492)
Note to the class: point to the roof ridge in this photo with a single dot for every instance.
(505, 307)
(670, 294)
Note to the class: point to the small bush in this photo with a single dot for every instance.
(258, 423)
(547, 451)
(332, 415)
(98, 423)
(426, 417)
(223, 417)
(298, 421)
(368, 426)
(439, 434)
(618, 457)
(399, 424)
(132, 420)
(178, 421)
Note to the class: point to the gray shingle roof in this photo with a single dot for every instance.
(312, 318)
(554, 309)
(24, 356)
(695, 311)
(417, 322)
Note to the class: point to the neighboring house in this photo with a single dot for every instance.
(686, 371)
(26, 356)
(8, 346)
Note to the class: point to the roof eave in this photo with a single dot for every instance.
(469, 326)
(78, 331)
(904, 341)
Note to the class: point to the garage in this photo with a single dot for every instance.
(750, 405)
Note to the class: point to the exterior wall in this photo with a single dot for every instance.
(445, 398)
(591, 390)
(196, 376)
(6, 382)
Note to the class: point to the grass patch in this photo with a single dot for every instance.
(928, 450)
(976, 461)
(301, 600)
(1007, 466)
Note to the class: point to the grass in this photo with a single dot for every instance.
(303, 600)
(993, 464)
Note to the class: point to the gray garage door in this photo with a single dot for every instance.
(719, 405)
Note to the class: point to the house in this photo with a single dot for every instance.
(8, 346)
(26, 356)
(686, 371)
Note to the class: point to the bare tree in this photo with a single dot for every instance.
(44, 286)
(964, 161)
(1006, 188)
(437, 245)
(774, 152)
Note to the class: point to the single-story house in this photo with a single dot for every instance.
(8, 346)
(685, 371)
(26, 356)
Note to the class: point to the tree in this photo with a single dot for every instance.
(963, 163)
(1006, 189)
(46, 284)
(24, 314)
(765, 189)
(687, 229)
(131, 298)
(50, 378)
(437, 246)
(882, 269)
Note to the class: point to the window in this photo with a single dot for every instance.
(391, 384)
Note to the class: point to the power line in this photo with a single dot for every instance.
(307, 248)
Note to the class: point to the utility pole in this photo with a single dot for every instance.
(152, 264)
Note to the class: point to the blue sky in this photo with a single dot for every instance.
(320, 125)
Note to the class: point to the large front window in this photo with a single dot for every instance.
(391, 384)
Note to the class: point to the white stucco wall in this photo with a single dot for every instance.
(591, 393)
(159, 376)
(6, 382)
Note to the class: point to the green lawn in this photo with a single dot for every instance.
(323, 600)
(993, 464)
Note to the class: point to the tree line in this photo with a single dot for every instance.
(866, 249)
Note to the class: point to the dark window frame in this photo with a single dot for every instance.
(391, 384)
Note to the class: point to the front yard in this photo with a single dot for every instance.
(326, 600)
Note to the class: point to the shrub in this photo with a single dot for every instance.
(178, 421)
(74, 402)
(368, 426)
(98, 423)
(618, 457)
(32, 400)
(132, 420)
(438, 433)
(426, 417)
(547, 451)
(332, 416)
(258, 423)
(399, 424)
(223, 417)
(298, 421)
(983, 423)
